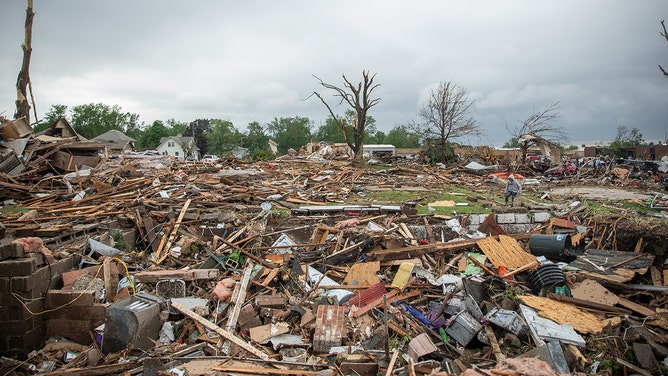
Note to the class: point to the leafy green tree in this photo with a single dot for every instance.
(176, 127)
(378, 137)
(56, 112)
(198, 130)
(150, 138)
(625, 138)
(513, 143)
(256, 139)
(402, 136)
(330, 132)
(290, 133)
(93, 119)
(223, 137)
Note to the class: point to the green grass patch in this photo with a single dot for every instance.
(615, 208)
(422, 198)
(12, 209)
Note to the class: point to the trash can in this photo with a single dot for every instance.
(554, 247)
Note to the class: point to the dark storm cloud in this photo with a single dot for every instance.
(254, 60)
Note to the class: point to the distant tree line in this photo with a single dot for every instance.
(218, 136)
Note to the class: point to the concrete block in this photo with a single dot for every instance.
(505, 218)
(37, 291)
(75, 330)
(15, 311)
(57, 298)
(482, 217)
(20, 346)
(93, 313)
(20, 327)
(522, 218)
(11, 250)
(517, 228)
(30, 282)
(17, 267)
(541, 217)
(474, 220)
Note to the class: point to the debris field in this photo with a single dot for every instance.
(154, 266)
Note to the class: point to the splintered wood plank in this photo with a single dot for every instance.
(635, 307)
(505, 252)
(564, 313)
(262, 370)
(224, 333)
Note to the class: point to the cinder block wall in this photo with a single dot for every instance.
(25, 279)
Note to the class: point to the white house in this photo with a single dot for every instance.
(179, 147)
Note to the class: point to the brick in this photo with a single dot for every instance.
(246, 314)
(70, 276)
(57, 298)
(541, 217)
(505, 218)
(5, 284)
(522, 218)
(17, 267)
(11, 250)
(271, 301)
(328, 328)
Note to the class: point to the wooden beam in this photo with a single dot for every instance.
(107, 369)
(224, 333)
(162, 252)
(262, 370)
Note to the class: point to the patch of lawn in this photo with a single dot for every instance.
(422, 198)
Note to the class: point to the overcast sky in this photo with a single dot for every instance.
(248, 60)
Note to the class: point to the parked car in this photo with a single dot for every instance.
(209, 158)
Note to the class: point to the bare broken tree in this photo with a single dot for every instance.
(358, 97)
(665, 36)
(23, 80)
(446, 116)
(538, 130)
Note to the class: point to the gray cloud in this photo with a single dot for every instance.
(254, 60)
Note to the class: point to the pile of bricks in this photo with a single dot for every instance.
(24, 280)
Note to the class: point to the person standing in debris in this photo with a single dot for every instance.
(513, 188)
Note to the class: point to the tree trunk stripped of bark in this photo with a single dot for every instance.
(22, 104)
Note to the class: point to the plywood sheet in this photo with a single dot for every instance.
(363, 274)
(593, 291)
(564, 313)
(505, 252)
